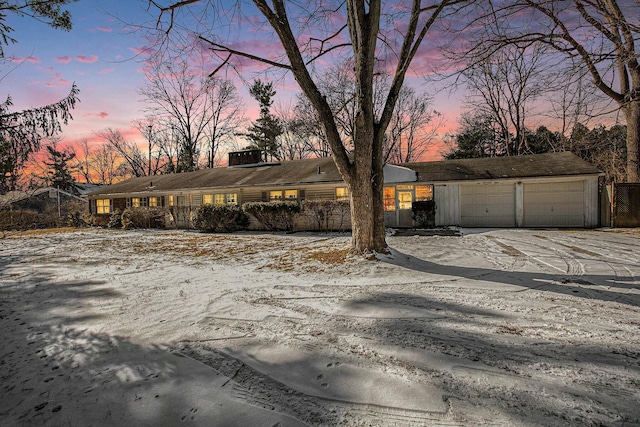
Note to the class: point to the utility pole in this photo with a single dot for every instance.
(149, 128)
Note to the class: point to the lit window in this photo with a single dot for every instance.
(232, 198)
(424, 192)
(103, 206)
(275, 196)
(291, 194)
(219, 199)
(135, 202)
(171, 201)
(389, 199)
(154, 202)
(405, 199)
(207, 199)
(342, 193)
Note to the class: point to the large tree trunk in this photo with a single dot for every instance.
(632, 114)
(367, 210)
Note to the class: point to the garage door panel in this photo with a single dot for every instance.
(487, 205)
(558, 204)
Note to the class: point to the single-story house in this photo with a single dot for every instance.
(544, 190)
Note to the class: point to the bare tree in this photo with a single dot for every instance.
(413, 128)
(106, 162)
(227, 115)
(201, 111)
(293, 143)
(356, 29)
(134, 161)
(148, 128)
(309, 128)
(504, 86)
(83, 162)
(575, 100)
(604, 35)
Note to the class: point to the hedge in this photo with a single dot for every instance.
(273, 215)
(220, 218)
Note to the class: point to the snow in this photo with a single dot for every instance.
(492, 327)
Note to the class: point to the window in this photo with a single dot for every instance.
(154, 202)
(136, 202)
(232, 198)
(218, 199)
(171, 201)
(424, 192)
(291, 194)
(405, 199)
(342, 193)
(275, 196)
(389, 199)
(103, 206)
(207, 199)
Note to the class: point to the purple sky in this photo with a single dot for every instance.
(101, 55)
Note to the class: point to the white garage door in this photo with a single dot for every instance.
(558, 204)
(487, 205)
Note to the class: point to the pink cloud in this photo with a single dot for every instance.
(87, 59)
(143, 50)
(63, 59)
(57, 81)
(100, 115)
(31, 59)
(105, 29)
(106, 71)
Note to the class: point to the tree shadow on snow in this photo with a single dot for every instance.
(54, 373)
(598, 287)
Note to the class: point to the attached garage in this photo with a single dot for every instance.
(541, 190)
(488, 205)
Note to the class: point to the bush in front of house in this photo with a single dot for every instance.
(115, 219)
(220, 218)
(424, 213)
(326, 214)
(19, 219)
(77, 214)
(152, 217)
(273, 215)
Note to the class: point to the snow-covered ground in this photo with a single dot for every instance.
(494, 327)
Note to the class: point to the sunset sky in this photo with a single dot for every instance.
(102, 55)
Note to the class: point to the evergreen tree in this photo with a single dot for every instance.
(265, 131)
(22, 131)
(59, 174)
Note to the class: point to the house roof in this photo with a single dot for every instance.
(18, 196)
(307, 171)
(323, 170)
(530, 166)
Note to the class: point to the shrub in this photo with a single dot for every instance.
(115, 220)
(273, 215)
(424, 213)
(143, 218)
(77, 214)
(19, 219)
(326, 214)
(220, 218)
(99, 220)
